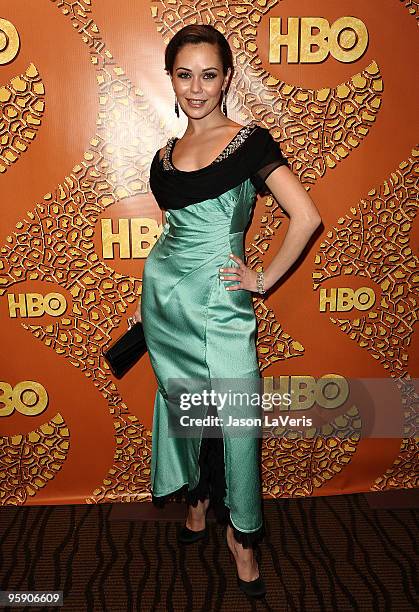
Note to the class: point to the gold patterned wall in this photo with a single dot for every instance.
(80, 123)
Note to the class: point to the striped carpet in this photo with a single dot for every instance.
(321, 553)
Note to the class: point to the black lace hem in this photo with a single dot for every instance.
(212, 484)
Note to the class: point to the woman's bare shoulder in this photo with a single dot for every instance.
(161, 152)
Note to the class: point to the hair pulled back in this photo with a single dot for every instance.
(195, 34)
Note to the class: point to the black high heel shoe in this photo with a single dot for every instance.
(187, 536)
(255, 589)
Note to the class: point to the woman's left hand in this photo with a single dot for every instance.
(244, 275)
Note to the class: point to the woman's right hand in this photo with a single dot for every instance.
(137, 314)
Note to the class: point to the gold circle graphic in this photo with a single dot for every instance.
(9, 41)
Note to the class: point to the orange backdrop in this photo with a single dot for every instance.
(85, 102)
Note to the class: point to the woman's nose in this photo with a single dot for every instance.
(196, 85)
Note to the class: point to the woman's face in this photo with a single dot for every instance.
(198, 76)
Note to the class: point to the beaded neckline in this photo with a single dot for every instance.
(237, 140)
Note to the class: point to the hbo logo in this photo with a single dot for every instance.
(345, 298)
(35, 304)
(346, 39)
(27, 397)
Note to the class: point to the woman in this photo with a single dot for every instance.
(196, 304)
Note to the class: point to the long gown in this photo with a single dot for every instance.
(196, 329)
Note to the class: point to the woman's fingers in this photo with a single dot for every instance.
(235, 287)
(234, 274)
(230, 271)
(137, 316)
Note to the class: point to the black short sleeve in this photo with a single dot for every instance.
(265, 158)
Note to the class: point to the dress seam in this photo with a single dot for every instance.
(208, 370)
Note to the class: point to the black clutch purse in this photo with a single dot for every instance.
(126, 350)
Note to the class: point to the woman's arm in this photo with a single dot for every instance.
(304, 219)
(137, 313)
(161, 153)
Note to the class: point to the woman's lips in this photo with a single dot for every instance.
(197, 103)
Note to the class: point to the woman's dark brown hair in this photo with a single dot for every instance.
(195, 34)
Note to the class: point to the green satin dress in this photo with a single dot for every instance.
(195, 328)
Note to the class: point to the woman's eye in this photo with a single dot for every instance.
(211, 75)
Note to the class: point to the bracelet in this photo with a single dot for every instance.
(260, 281)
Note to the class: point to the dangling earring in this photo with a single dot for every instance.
(176, 107)
(224, 103)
